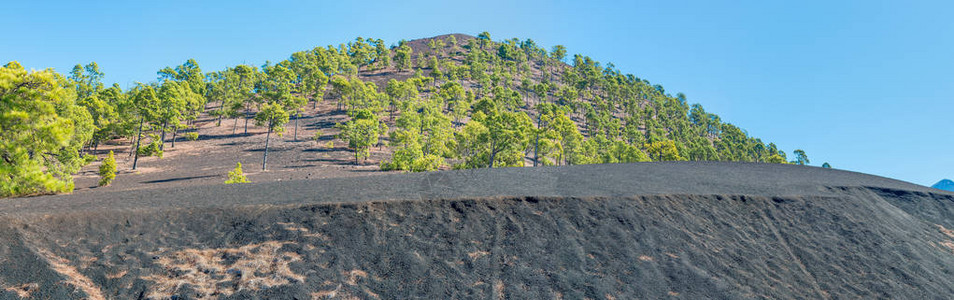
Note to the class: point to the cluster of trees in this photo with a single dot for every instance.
(460, 103)
(49, 121)
(42, 129)
(512, 103)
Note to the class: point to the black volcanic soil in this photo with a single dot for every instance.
(687, 230)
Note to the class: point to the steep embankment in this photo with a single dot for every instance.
(649, 230)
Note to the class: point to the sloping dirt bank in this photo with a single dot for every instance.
(679, 230)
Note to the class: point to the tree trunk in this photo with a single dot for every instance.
(246, 120)
(234, 125)
(536, 146)
(162, 138)
(265, 156)
(138, 139)
(297, 116)
(175, 132)
(493, 153)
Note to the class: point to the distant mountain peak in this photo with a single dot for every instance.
(944, 184)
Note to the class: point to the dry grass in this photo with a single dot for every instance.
(372, 294)
(292, 227)
(117, 275)
(353, 276)
(73, 276)
(325, 294)
(255, 267)
(948, 244)
(499, 289)
(477, 254)
(23, 290)
(949, 233)
(86, 261)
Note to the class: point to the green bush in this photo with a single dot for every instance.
(107, 170)
(153, 148)
(192, 136)
(236, 175)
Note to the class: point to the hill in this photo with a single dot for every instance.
(945, 184)
(647, 230)
(446, 102)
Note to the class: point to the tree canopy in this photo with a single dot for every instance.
(41, 131)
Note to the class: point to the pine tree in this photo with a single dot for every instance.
(236, 175)
(41, 131)
(107, 170)
(361, 133)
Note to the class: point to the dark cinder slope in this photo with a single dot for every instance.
(650, 230)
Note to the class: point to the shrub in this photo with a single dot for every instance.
(330, 144)
(776, 159)
(192, 136)
(107, 170)
(153, 148)
(236, 175)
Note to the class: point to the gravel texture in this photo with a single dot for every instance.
(684, 230)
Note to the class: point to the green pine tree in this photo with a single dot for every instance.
(236, 175)
(107, 170)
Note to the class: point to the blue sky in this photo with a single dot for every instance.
(865, 85)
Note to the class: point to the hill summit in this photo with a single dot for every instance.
(944, 184)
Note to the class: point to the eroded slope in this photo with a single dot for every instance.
(682, 230)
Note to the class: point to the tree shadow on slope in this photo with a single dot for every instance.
(180, 179)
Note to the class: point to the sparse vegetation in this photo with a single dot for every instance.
(154, 148)
(192, 136)
(237, 175)
(469, 103)
(107, 171)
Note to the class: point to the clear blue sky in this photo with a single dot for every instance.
(865, 85)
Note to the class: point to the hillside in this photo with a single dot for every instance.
(683, 230)
(446, 102)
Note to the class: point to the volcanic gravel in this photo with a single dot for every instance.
(690, 230)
